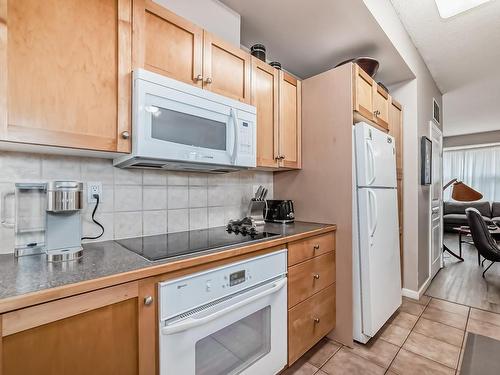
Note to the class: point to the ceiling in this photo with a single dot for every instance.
(463, 54)
(308, 40)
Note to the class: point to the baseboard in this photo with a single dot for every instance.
(416, 294)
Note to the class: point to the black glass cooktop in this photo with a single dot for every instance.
(171, 245)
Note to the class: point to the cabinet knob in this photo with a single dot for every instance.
(316, 247)
(281, 157)
(125, 135)
(316, 320)
(208, 80)
(148, 300)
(316, 276)
(199, 77)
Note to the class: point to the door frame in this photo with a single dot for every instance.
(433, 128)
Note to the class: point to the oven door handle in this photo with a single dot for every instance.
(193, 322)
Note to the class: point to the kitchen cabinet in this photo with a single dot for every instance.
(167, 44)
(311, 293)
(98, 332)
(277, 97)
(226, 69)
(61, 82)
(370, 100)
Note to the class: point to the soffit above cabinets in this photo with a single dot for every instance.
(308, 39)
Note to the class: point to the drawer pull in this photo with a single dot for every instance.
(316, 247)
(316, 276)
(316, 320)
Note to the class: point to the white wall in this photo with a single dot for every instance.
(416, 97)
(211, 15)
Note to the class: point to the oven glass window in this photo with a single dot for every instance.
(178, 127)
(235, 347)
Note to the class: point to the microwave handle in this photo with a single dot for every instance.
(193, 322)
(234, 118)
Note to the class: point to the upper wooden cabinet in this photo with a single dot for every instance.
(277, 97)
(369, 99)
(226, 69)
(166, 43)
(290, 125)
(65, 73)
(265, 93)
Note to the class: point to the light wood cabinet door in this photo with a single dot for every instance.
(396, 130)
(265, 83)
(226, 68)
(93, 333)
(290, 125)
(65, 73)
(381, 104)
(363, 87)
(166, 43)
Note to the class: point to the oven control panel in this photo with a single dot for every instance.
(181, 295)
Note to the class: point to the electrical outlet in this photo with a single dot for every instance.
(94, 188)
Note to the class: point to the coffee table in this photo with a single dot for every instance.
(464, 231)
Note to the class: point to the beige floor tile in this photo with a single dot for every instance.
(321, 352)
(403, 319)
(411, 307)
(301, 367)
(485, 316)
(445, 317)
(345, 362)
(449, 307)
(376, 350)
(394, 334)
(321, 373)
(407, 363)
(430, 348)
(390, 373)
(424, 300)
(439, 331)
(484, 328)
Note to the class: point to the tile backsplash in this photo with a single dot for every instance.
(135, 202)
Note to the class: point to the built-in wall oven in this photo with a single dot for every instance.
(228, 320)
(182, 127)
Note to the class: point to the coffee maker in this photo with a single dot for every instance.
(47, 219)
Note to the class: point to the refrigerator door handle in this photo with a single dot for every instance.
(373, 202)
(371, 163)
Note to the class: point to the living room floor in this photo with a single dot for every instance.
(424, 337)
(462, 282)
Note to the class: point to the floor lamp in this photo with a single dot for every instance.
(462, 193)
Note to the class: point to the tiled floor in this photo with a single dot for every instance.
(424, 337)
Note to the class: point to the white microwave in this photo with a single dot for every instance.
(177, 126)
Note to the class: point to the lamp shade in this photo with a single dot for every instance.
(464, 193)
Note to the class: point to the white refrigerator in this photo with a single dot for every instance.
(376, 259)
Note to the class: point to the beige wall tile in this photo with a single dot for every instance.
(178, 197)
(198, 196)
(154, 198)
(17, 166)
(128, 198)
(99, 170)
(178, 220)
(127, 176)
(198, 218)
(216, 217)
(128, 224)
(154, 222)
(154, 178)
(55, 167)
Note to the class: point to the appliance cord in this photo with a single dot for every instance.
(96, 196)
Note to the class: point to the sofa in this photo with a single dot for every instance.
(454, 213)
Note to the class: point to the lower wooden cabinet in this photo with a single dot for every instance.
(97, 333)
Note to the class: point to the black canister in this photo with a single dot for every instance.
(259, 51)
(275, 64)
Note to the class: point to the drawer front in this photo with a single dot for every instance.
(309, 321)
(306, 249)
(309, 277)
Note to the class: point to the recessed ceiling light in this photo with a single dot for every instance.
(450, 8)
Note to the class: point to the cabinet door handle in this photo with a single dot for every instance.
(148, 300)
(125, 135)
(316, 276)
(316, 247)
(316, 320)
(198, 78)
(208, 80)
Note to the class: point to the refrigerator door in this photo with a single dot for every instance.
(379, 261)
(375, 157)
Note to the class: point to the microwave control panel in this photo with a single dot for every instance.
(245, 137)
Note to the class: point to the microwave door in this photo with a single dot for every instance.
(234, 122)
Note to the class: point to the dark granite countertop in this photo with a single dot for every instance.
(31, 274)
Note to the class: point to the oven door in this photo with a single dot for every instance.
(175, 125)
(242, 334)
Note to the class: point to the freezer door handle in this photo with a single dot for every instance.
(371, 163)
(372, 204)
